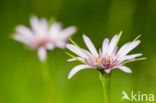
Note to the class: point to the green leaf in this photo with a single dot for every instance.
(74, 43)
(137, 38)
(129, 61)
(75, 57)
(120, 34)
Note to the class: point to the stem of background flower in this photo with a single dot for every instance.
(48, 82)
(106, 86)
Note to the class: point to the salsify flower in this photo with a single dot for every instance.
(107, 59)
(43, 36)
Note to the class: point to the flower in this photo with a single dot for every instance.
(108, 57)
(43, 36)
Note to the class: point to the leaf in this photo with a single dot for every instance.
(120, 34)
(137, 38)
(129, 61)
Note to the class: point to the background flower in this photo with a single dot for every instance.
(43, 36)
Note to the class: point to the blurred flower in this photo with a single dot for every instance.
(108, 57)
(43, 36)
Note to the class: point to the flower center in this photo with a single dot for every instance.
(42, 42)
(107, 62)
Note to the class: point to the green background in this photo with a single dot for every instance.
(20, 70)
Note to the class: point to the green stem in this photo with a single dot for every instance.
(106, 86)
(48, 82)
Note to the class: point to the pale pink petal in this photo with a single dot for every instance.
(50, 46)
(125, 69)
(55, 29)
(73, 59)
(105, 46)
(76, 69)
(76, 50)
(35, 24)
(112, 44)
(60, 44)
(67, 32)
(90, 45)
(24, 40)
(42, 53)
(44, 27)
(39, 27)
(24, 31)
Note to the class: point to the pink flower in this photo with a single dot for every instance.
(107, 59)
(42, 36)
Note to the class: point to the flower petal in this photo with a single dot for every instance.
(112, 44)
(105, 46)
(55, 29)
(42, 53)
(76, 50)
(50, 46)
(107, 71)
(40, 27)
(122, 49)
(24, 40)
(60, 44)
(90, 45)
(76, 69)
(26, 32)
(130, 47)
(131, 57)
(125, 69)
(67, 32)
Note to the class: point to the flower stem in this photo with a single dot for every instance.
(105, 85)
(48, 82)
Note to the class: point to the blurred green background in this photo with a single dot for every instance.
(20, 70)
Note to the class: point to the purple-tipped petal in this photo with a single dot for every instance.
(90, 45)
(42, 53)
(76, 69)
(125, 69)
